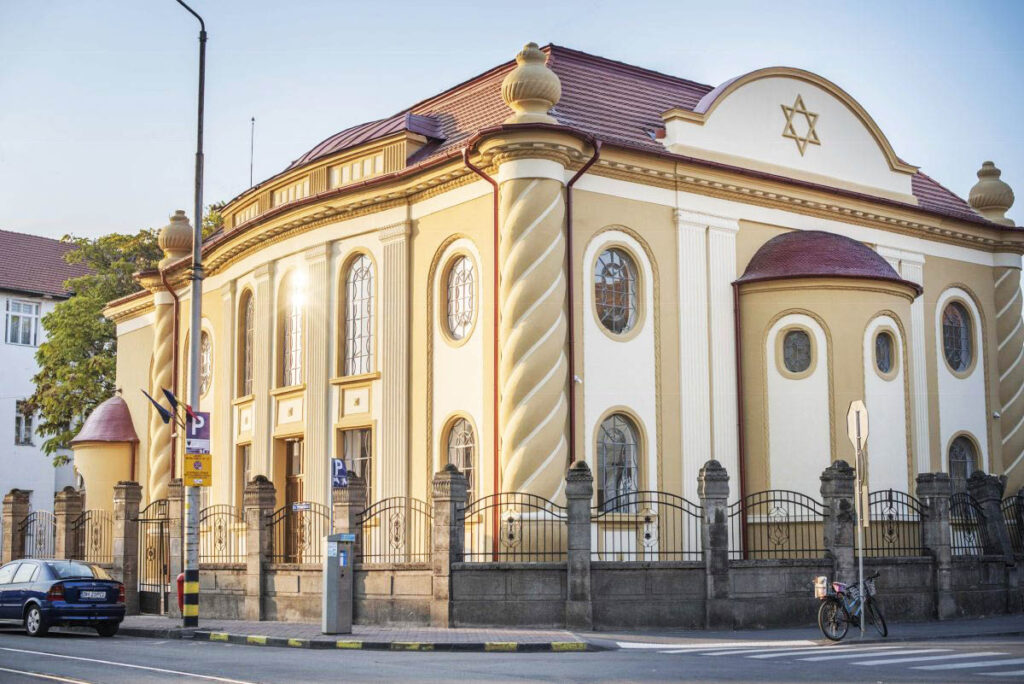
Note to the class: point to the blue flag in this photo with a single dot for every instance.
(165, 415)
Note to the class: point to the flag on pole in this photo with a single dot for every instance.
(165, 415)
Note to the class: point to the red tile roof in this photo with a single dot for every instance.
(618, 103)
(33, 264)
(817, 254)
(111, 421)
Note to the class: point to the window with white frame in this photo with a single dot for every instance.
(292, 340)
(22, 322)
(462, 448)
(248, 338)
(357, 451)
(460, 297)
(359, 317)
(22, 425)
(618, 471)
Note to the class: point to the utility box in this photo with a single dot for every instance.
(338, 585)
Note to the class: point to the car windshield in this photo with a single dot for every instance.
(71, 569)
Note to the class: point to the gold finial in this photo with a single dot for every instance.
(175, 239)
(531, 89)
(990, 196)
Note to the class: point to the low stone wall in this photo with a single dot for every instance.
(508, 594)
(292, 592)
(659, 594)
(222, 590)
(392, 594)
(774, 593)
(980, 585)
(906, 586)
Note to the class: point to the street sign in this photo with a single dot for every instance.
(197, 435)
(857, 423)
(857, 431)
(301, 506)
(339, 474)
(198, 470)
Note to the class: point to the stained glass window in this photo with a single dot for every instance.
(615, 290)
(359, 317)
(248, 335)
(956, 336)
(618, 445)
(460, 298)
(962, 461)
(796, 351)
(205, 363)
(461, 448)
(884, 352)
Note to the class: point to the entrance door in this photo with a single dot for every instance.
(154, 557)
(293, 494)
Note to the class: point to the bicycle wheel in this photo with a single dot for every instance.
(833, 619)
(875, 617)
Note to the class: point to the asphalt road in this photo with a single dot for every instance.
(76, 658)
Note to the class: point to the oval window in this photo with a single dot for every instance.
(884, 350)
(796, 351)
(460, 298)
(615, 290)
(956, 337)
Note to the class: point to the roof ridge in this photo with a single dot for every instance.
(625, 66)
(36, 237)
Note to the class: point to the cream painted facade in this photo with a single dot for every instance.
(690, 216)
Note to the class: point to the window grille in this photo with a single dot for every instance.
(357, 450)
(359, 317)
(22, 322)
(796, 351)
(618, 472)
(461, 449)
(248, 335)
(962, 461)
(292, 374)
(615, 290)
(956, 336)
(460, 298)
(205, 363)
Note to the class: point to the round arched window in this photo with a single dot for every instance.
(461, 448)
(460, 298)
(796, 351)
(615, 290)
(963, 459)
(205, 363)
(956, 337)
(618, 446)
(885, 350)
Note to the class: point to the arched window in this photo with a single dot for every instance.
(294, 293)
(462, 448)
(205, 363)
(963, 459)
(246, 340)
(359, 317)
(956, 337)
(618, 473)
(615, 290)
(796, 351)
(460, 298)
(885, 353)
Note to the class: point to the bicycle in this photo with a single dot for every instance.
(842, 603)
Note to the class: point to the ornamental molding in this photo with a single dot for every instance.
(696, 219)
(790, 129)
(394, 232)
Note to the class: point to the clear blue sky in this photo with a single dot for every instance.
(97, 98)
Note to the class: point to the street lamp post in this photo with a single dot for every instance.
(190, 609)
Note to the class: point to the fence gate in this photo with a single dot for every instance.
(154, 557)
(38, 533)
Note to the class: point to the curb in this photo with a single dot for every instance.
(419, 646)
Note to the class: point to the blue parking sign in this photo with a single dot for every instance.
(339, 474)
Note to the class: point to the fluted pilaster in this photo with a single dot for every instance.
(394, 360)
(317, 373)
(161, 375)
(262, 368)
(533, 368)
(224, 390)
(1010, 338)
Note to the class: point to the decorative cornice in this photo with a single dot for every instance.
(396, 231)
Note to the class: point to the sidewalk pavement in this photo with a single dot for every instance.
(416, 638)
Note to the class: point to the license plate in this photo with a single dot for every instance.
(92, 595)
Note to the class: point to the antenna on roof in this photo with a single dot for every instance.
(252, 140)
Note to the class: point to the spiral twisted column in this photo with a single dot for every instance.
(532, 331)
(159, 472)
(1010, 338)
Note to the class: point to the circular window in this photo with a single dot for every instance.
(205, 363)
(460, 298)
(885, 350)
(957, 337)
(796, 351)
(615, 291)
(962, 460)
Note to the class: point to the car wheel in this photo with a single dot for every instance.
(107, 630)
(35, 624)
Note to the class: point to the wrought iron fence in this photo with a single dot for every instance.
(297, 532)
(221, 534)
(647, 526)
(1013, 516)
(38, 534)
(93, 536)
(776, 523)
(965, 521)
(155, 556)
(513, 526)
(895, 524)
(396, 530)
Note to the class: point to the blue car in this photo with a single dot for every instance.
(45, 593)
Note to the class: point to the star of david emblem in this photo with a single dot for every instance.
(811, 136)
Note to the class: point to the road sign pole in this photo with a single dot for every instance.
(860, 529)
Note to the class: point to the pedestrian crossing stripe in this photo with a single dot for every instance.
(918, 659)
(860, 652)
(963, 666)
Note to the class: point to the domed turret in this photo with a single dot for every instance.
(990, 196)
(175, 239)
(531, 89)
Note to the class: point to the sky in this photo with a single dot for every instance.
(98, 98)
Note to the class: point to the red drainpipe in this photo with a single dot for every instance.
(740, 437)
(174, 360)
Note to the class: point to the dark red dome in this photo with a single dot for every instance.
(817, 254)
(109, 422)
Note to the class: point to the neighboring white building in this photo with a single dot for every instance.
(32, 275)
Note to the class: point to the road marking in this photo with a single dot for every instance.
(924, 658)
(128, 665)
(744, 651)
(1001, 674)
(890, 653)
(845, 649)
(963, 666)
(53, 678)
(720, 644)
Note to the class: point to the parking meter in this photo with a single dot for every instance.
(337, 590)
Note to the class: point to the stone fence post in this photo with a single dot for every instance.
(713, 490)
(449, 496)
(15, 512)
(67, 507)
(579, 491)
(127, 496)
(258, 502)
(987, 490)
(934, 491)
(837, 493)
(348, 504)
(175, 532)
